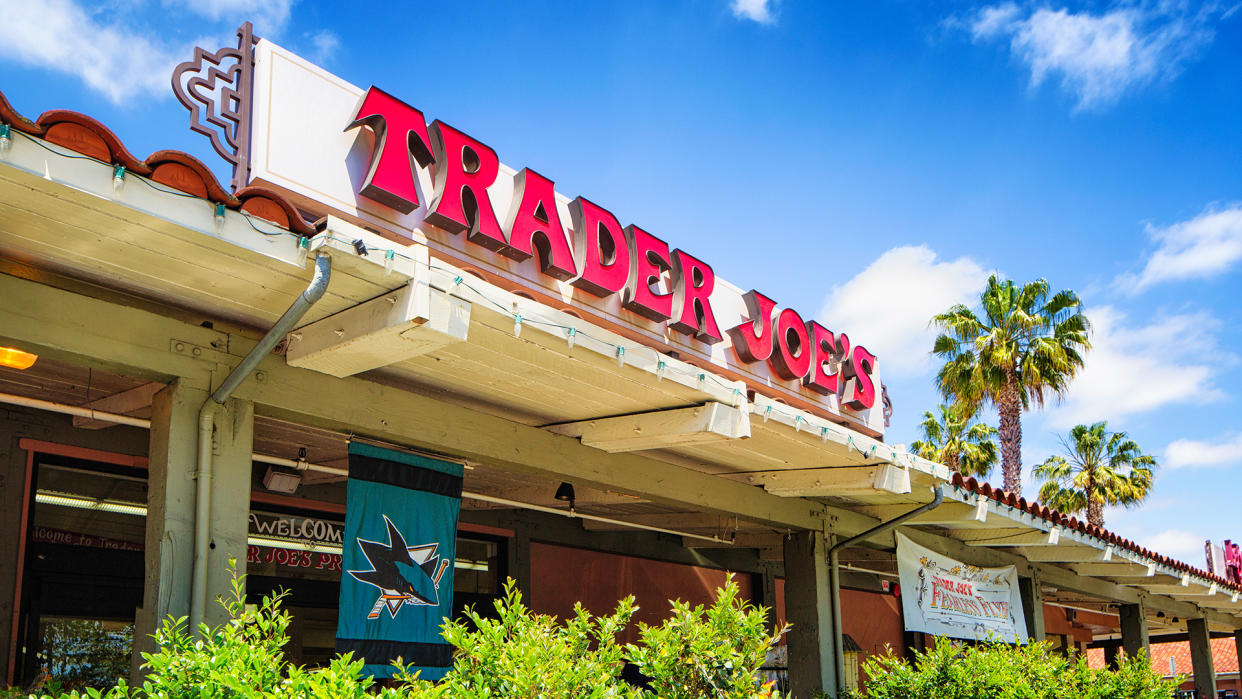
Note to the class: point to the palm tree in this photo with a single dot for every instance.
(1026, 345)
(1103, 468)
(958, 441)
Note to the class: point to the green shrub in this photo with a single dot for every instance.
(1001, 671)
(697, 653)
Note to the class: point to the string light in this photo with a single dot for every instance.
(517, 325)
(219, 217)
(390, 257)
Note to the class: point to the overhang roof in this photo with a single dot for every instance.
(161, 244)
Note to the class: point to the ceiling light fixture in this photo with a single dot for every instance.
(16, 359)
(565, 493)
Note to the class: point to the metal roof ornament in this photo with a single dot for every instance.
(217, 89)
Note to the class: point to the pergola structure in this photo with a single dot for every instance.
(156, 282)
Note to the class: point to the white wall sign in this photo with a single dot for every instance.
(945, 597)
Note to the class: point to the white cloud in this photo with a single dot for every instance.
(1184, 453)
(1205, 246)
(888, 306)
(325, 44)
(59, 35)
(1178, 543)
(757, 10)
(1098, 57)
(1130, 370)
(267, 16)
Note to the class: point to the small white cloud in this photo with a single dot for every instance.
(1205, 246)
(267, 16)
(1189, 453)
(112, 60)
(1129, 371)
(325, 44)
(1178, 543)
(889, 305)
(757, 10)
(1098, 57)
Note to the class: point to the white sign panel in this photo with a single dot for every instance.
(306, 143)
(945, 597)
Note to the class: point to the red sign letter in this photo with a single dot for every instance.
(601, 247)
(464, 170)
(859, 389)
(400, 134)
(534, 224)
(752, 340)
(650, 263)
(792, 358)
(694, 281)
(826, 353)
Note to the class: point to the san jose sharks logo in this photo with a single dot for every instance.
(404, 574)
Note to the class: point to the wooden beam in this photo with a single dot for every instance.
(742, 540)
(1116, 569)
(394, 327)
(700, 424)
(123, 403)
(1003, 538)
(142, 343)
(825, 482)
(1065, 552)
(947, 515)
(696, 521)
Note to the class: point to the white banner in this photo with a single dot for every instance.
(946, 597)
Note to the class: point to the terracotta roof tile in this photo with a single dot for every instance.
(172, 168)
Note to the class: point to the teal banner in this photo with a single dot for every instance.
(398, 550)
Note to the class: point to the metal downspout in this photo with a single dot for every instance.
(206, 428)
(834, 567)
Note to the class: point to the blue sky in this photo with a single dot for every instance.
(866, 162)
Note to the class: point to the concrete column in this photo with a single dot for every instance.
(170, 510)
(1134, 635)
(1201, 658)
(809, 609)
(1032, 607)
(230, 502)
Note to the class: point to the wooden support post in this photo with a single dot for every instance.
(809, 608)
(170, 511)
(1032, 607)
(519, 560)
(230, 502)
(1201, 657)
(767, 596)
(1111, 655)
(1134, 634)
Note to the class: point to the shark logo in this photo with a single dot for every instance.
(403, 574)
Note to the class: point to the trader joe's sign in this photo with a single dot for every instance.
(945, 597)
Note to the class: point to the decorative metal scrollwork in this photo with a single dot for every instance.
(217, 89)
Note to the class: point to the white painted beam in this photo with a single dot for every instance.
(1002, 538)
(824, 482)
(404, 323)
(700, 424)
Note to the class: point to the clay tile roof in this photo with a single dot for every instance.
(1043, 512)
(172, 168)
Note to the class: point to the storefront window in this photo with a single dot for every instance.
(84, 571)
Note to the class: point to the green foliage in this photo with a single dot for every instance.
(1103, 468)
(698, 653)
(523, 654)
(957, 440)
(999, 671)
(713, 652)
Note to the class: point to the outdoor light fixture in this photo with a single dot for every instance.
(16, 359)
(51, 497)
(565, 493)
(282, 480)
